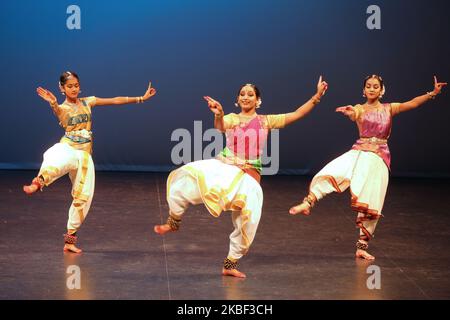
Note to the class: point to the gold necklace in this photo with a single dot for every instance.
(71, 104)
(373, 105)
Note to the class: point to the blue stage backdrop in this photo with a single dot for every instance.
(193, 48)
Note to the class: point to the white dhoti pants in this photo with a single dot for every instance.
(61, 159)
(220, 187)
(367, 176)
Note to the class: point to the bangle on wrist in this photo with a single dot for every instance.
(432, 95)
(315, 99)
(218, 116)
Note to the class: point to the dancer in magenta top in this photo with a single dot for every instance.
(231, 181)
(365, 168)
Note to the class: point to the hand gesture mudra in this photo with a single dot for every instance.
(322, 87)
(438, 86)
(214, 105)
(347, 110)
(150, 92)
(46, 95)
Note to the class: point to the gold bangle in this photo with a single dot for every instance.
(315, 100)
(218, 116)
(431, 95)
(127, 99)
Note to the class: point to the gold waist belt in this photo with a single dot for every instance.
(373, 140)
(79, 133)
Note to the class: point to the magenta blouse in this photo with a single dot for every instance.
(374, 127)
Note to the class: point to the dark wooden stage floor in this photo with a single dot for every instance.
(292, 257)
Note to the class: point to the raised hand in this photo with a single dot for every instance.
(214, 105)
(150, 92)
(438, 86)
(46, 95)
(322, 87)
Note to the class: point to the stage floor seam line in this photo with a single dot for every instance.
(163, 238)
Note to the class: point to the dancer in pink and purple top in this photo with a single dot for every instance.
(231, 181)
(365, 168)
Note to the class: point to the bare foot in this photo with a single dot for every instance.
(32, 188)
(233, 272)
(35, 185)
(363, 254)
(162, 229)
(71, 248)
(303, 208)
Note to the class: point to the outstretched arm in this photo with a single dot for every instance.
(124, 100)
(216, 108)
(349, 111)
(417, 101)
(47, 96)
(50, 98)
(304, 109)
